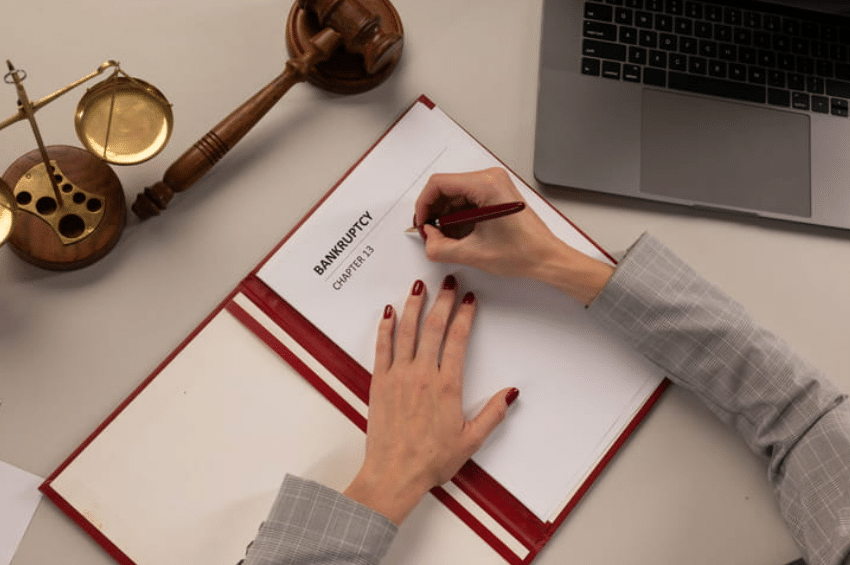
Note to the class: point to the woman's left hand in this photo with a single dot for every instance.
(418, 436)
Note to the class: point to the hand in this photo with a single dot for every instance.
(516, 245)
(418, 436)
(510, 246)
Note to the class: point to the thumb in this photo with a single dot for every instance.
(490, 416)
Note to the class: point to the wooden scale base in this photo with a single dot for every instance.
(76, 231)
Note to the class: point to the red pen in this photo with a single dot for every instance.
(473, 216)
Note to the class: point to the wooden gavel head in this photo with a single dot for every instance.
(372, 39)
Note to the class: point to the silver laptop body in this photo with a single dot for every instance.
(738, 106)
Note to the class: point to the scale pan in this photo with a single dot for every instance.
(123, 120)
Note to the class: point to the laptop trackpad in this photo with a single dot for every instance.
(723, 153)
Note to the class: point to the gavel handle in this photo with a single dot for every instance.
(201, 157)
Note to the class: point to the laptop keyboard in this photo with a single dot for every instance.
(720, 51)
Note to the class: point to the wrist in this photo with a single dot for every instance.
(573, 272)
(385, 495)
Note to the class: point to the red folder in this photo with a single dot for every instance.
(484, 505)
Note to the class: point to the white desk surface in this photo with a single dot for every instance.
(73, 345)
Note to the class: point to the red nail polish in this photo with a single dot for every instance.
(511, 396)
(450, 282)
(469, 297)
(422, 232)
(388, 311)
(418, 287)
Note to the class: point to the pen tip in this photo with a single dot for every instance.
(411, 229)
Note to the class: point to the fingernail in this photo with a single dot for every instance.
(449, 283)
(469, 297)
(388, 311)
(511, 396)
(418, 287)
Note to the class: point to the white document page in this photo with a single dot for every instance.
(579, 386)
(19, 497)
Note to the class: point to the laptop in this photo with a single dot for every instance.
(733, 106)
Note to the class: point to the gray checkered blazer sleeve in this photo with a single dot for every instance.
(310, 523)
(784, 409)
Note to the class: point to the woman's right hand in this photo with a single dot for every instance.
(512, 245)
(519, 245)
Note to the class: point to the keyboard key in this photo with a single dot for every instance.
(733, 16)
(738, 72)
(684, 26)
(714, 13)
(823, 68)
(799, 101)
(756, 75)
(677, 62)
(805, 65)
(814, 85)
(628, 35)
(781, 43)
(643, 19)
(611, 69)
(752, 20)
(842, 71)
(688, 45)
(717, 68)
(796, 81)
(786, 62)
(716, 87)
(600, 30)
(600, 12)
(838, 53)
(800, 46)
(722, 33)
(771, 22)
(638, 4)
(654, 77)
(767, 58)
(668, 42)
(693, 10)
(631, 73)
(776, 78)
(675, 7)
(637, 55)
(727, 52)
(839, 107)
(663, 22)
(658, 59)
(647, 38)
(778, 97)
(603, 50)
(791, 26)
(820, 104)
(810, 30)
(697, 65)
(762, 40)
(747, 55)
(655, 5)
(742, 36)
(708, 49)
(623, 16)
(838, 88)
(590, 66)
(704, 30)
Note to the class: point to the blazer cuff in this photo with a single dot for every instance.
(311, 523)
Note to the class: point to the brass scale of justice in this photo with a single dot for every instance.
(63, 208)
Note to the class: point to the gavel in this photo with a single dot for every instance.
(344, 46)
